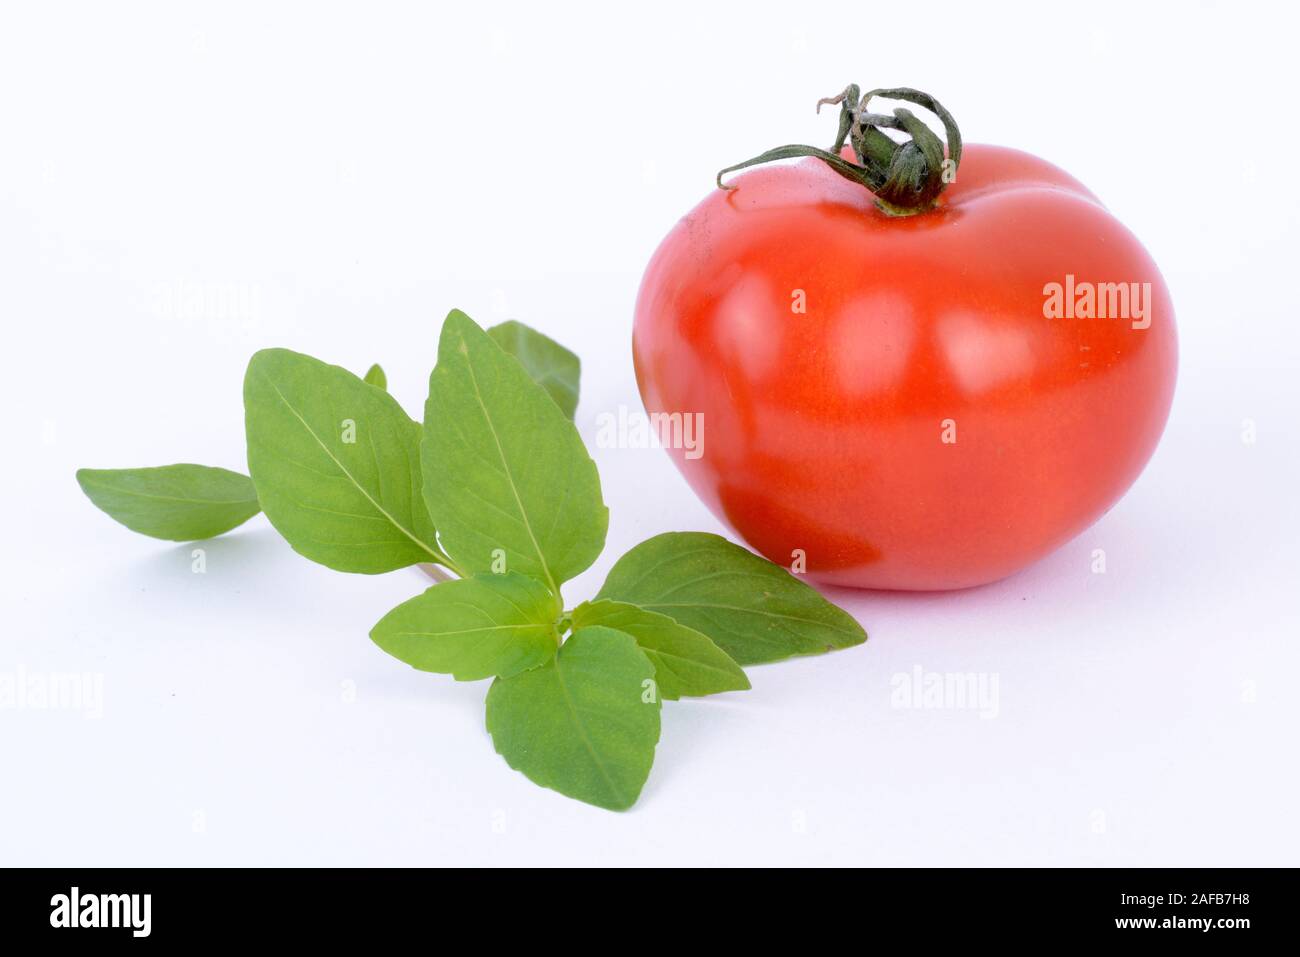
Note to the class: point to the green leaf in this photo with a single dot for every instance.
(474, 628)
(584, 724)
(753, 610)
(336, 463)
(375, 376)
(504, 469)
(548, 363)
(179, 503)
(687, 664)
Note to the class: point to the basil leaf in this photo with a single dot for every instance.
(178, 503)
(585, 723)
(687, 664)
(507, 480)
(375, 376)
(753, 610)
(474, 628)
(547, 363)
(336, 464)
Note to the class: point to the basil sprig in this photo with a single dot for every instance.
(497, 488)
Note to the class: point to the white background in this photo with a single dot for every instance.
(355, 172)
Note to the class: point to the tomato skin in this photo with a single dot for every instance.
(824, 430)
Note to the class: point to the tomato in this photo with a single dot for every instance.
(886, 398)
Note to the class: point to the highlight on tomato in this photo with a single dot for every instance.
(922, 364)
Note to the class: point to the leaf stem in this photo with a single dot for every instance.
(440, 574)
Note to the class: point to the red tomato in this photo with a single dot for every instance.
(886, 396)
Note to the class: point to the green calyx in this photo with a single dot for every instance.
(906, 177)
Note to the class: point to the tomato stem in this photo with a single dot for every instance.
(906, 177)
